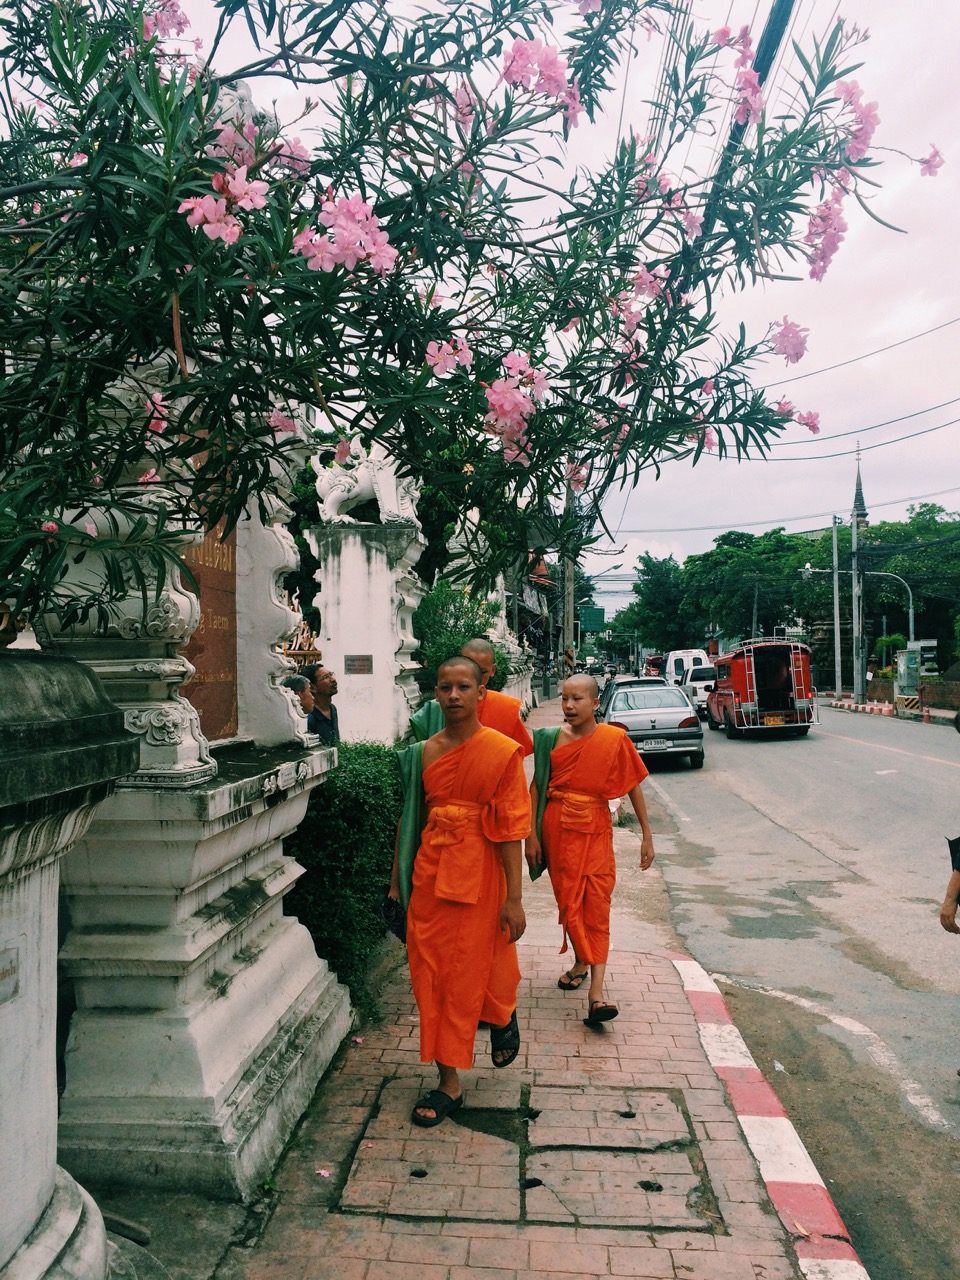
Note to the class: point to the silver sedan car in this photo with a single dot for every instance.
(660, 721)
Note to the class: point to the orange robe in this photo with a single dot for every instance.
(501, 712)
(462, 966)
(577, 835)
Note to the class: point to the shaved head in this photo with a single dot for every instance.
(478, 648)
(461, 661)
(584, 682)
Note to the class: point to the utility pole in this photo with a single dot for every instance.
(569, 568)
(837, 652)
(858, 682)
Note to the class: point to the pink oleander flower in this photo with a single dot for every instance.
(552, 78)
(49, 526)
(465, 106)
(825, 233)
(517, 449)
(721, 37)
(848, 91)
(159, 412)
(516, 363)
(692, 223)
(588, 6)
(708, 388)
(509, 407)
(148, 477)
(211, 215)
(866, 120)
(784, 407)
(750, 106)
(789, 340)
(572, 105)
(280, 422)
(464, 354)
(809, 420)
(381, 255)
(745, 45)
(577, 474)
(77, 159)
(442, 358)
(930, 165)
(342, 452)
(520, 64)
(90, 528)
(246, 194)
(294, 155)
(650, 284)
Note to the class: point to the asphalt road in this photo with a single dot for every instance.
(808, 874)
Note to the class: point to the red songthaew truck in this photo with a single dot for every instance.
(763, 684)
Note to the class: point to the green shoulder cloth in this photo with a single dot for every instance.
(427, 721)
(411, 820)
(544, 740)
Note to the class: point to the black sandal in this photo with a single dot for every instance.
(439, 1102)
(505, 1039)
(571, 981)
(600, 1011)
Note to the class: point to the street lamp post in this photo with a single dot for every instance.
(882, 573)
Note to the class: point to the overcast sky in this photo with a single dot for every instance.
(882, 288)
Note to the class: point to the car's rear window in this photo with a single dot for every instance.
(648, 699)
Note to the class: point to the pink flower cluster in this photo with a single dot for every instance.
(708, 436)
(215, 216)
(352, 235)
(533, 65)
(511, 403)
(577, 474)
(809, 420)
(447, 356)
(166, 20)
(750, 105)
(825, 232)
(280, 423)
(723, 39)
(588, 6)
(931, 163)
(865, 118)
(789, 340)
(159, 412)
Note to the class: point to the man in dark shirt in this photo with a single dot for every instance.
(323, 719)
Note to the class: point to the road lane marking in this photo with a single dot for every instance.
(878, 1051)
(668, 803)
(898, 751)
(882, 773)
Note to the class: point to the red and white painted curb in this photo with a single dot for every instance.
(872, 708)
(796, 1189)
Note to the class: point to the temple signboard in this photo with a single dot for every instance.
(213, 647)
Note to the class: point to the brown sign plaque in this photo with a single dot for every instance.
(358, 664)
(213, 646)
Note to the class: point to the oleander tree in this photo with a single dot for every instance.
(192, 287)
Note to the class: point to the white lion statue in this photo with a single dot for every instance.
(364, 475)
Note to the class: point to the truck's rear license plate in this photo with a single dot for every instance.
(773, 720)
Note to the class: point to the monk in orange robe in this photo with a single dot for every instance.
(496, 710)
(578, 769)
(462, 886)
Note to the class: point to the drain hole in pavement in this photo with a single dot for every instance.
(629, 1115)
(418, 1173)
(530, 1183)
(647, 1184)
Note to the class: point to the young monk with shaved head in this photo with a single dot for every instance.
(459, 875)
(496, 710)
(578, 769)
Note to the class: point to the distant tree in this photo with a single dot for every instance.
(660, 615)
(746, 583)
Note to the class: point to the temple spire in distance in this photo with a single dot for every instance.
(859, 506)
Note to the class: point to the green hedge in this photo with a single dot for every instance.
(445, 619)
(345, 842)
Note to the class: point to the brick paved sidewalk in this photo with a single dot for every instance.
(611, 1152)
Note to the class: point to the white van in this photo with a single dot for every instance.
(697, 682)
(677, 661)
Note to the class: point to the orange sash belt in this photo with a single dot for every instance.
(455, 830)
(579, 811)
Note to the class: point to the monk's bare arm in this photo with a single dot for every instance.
(635, 796)
(533, 851)
(512, 919)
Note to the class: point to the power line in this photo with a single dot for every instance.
(797, 377)
(860, 431)
(775, 521)
(846, 453)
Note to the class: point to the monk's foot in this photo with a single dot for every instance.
(434, 1107)
(573, 979)
(505, 1042)
(600, 1011)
